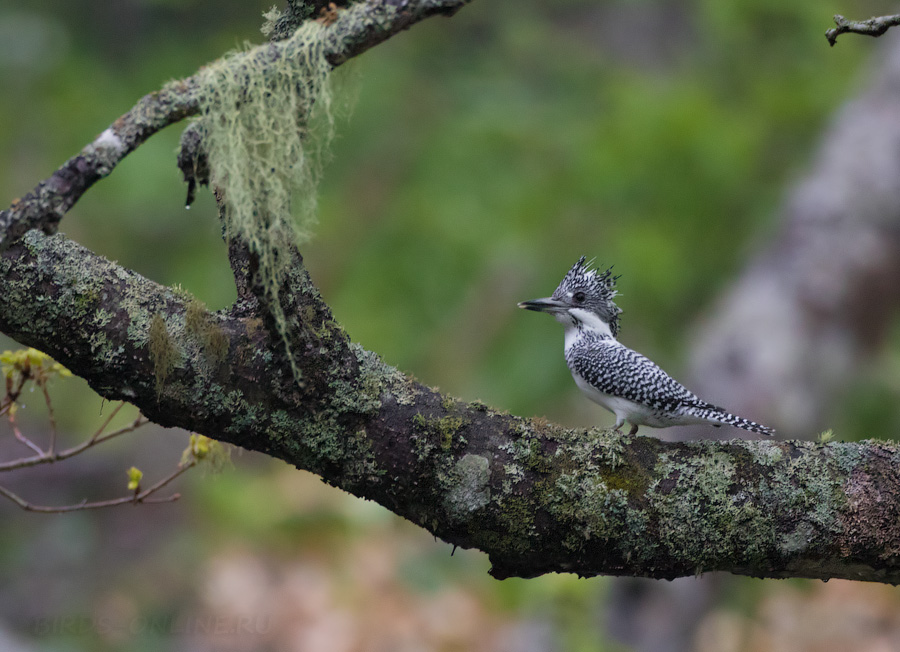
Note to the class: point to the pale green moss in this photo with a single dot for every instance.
(264, 155)
(271, 16)
(194, 316)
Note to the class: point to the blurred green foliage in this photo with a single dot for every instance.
(483, 155)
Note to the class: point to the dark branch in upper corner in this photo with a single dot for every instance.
(875, 26)
(357, 28)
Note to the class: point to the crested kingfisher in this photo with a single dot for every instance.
(623, 381)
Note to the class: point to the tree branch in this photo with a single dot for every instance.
(359, 27)
(535, 497)
(875, 26)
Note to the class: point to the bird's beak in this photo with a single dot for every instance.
(544, 305)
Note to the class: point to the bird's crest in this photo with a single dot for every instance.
(599, 289)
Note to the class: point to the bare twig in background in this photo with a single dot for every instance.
(140, 497)
(25, 366)
(875, 26)
(17, 433)
(48, 457)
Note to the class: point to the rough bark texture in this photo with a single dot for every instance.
(537, 498)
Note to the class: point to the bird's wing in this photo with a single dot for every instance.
(619, 371)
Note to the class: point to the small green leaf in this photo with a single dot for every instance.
(134, 478)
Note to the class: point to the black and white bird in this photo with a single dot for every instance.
(623, 381)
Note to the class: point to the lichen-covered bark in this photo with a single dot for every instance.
(537, 498)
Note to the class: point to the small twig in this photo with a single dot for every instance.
(12, 394)
(46, 458)
(107, 421)
(22, 438)
(51, 449)
(162, 483)
(144, 496)
(875, 26)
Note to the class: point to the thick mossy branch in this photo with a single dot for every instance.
(536, 497)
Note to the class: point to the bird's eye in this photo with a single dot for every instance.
(579, 297)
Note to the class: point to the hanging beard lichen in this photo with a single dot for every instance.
(258, 108)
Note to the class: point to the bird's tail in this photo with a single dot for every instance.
(717, 415)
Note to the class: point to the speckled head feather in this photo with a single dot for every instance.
(599, 288)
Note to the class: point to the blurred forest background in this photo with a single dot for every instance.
(478, 158)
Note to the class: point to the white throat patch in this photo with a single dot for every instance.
(591, 322)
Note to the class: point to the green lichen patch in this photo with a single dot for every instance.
(470, 489)
(517, 518)
(810, 485)
(701, 516)
(378, 379)
(590, 508)
(199, 323)
(721, 506)
(163, 352)
(630, 478)
(447, 427)
(527, 449)
(319, 443)
(438, 433)
(598, 446)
